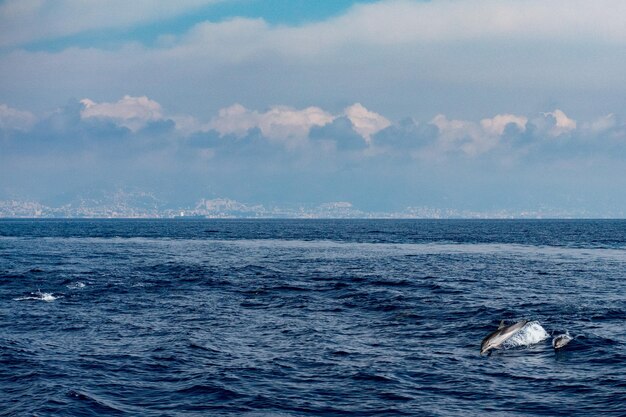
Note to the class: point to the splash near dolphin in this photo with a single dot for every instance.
(522, 333)
(532, 333)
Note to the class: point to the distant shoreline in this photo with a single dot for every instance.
(326, 218)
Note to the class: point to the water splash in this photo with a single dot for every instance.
(528, 335)
(41, 296)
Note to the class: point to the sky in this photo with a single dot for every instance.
(479, 105)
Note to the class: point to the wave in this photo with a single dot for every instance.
(94, 403)
(530, 334)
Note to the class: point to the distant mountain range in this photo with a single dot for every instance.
(145, 205)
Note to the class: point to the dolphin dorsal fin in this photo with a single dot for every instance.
(501, 324)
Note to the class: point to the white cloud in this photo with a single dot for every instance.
(443, 137)
(402, 21)
(235, 119)
(462, 135)
(365, 122)
(406, 22)
(230, 41)
(383, 22)
(497, 124)
(23, 21)
(562, 123)
(11, 118)
(608, 126)
(135, 112)
(187, 124)
(474, 138)
(292, 126)
(131, 112)
(602, 124)
(453, 56)
(284, 122)
(279, 122)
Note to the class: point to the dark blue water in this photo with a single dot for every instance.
(309, 318)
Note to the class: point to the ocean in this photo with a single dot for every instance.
(310, 317)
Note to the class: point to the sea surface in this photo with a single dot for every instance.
(310, 317)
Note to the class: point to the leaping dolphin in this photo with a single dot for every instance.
(495, 339)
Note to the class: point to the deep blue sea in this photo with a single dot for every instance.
(310, 317)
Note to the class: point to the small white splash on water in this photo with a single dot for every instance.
(528, 335)
(76, 285)
(48, 297)
(41, 296)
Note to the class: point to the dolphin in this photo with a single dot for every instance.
(560, 341)
(495, 339)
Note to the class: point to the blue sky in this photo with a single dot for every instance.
(477, 104)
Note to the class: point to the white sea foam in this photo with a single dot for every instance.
(76, 285)
(41, 296)
(528, 335)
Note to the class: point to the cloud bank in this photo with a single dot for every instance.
(462, 58)
(24, 21)
(310, 155)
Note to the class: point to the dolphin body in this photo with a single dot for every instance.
(560, 341)
(495, 339)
